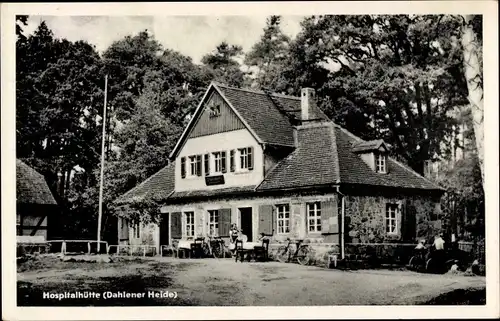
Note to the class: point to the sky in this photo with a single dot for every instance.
(193, 36)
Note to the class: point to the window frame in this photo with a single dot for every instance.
(213, 221)
(286, 220)
(391, 209)
(186, 223)
(217, 162)
(193, 172)
(381, 163)
(316, 210)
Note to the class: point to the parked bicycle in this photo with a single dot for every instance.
(215, 246)
(303, 253)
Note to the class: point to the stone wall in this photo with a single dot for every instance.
(365, 218)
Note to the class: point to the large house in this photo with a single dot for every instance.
(276, 164)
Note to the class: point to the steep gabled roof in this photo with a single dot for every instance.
(31, 187)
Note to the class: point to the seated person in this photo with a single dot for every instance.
(233, 233)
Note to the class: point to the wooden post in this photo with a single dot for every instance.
(143, 250)
(101, 187)
(88, 247)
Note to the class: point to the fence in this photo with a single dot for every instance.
(75, 246)
(132, 250)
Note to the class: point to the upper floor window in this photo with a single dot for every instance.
(391, 221)
(189, 224)
(283, 218)
(314, 217)
(217, 157)
(193, 166)
(245, 158)
(213, 222)
(381, 163)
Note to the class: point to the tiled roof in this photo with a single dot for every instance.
(268, 115)
(313, 162)
(324, 153)
(158, 187)
(368, 145)
(31, 187)
(354, 170)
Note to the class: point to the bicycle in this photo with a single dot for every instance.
(214, 247)
(303, 252)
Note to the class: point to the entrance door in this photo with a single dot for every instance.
(164, 230)
(246, 222)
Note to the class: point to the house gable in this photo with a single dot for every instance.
(216, 117)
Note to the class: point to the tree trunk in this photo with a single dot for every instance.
(473, 75)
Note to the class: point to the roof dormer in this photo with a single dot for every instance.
(374, 153)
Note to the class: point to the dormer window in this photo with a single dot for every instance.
(374, 154)
(381, 163)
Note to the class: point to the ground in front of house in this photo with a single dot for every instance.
(211, 282)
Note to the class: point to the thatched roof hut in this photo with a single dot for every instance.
(31, 187)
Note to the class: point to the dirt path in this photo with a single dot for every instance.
(227, 283)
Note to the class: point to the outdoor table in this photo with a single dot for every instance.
(246, 245)
(185, 244)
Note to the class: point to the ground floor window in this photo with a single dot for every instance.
(391, 223)
(283, 218)
(313, 217)
(137, 230)
(213, 222)
(189, 224)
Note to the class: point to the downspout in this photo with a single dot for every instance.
(342, 219)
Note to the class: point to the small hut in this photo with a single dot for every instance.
(35, 204)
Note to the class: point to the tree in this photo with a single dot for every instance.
(394, 77)
(472, 51)
(21, 20)
(268, 56)
(221, 65)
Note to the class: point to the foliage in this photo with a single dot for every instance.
(222, 64)
(267, 57)
(393, 77)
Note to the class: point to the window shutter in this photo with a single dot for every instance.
(198, 165)
(183, 167)
(176, 225)
(266, 219)
(408, 222)
(224, 222)
(207, 164)
(224, 161)
(123, 229)
(329, 217)
(231, 160)
(250, 158)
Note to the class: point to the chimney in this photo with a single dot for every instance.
(307, 100)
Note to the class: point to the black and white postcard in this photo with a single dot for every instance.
(289, 159)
